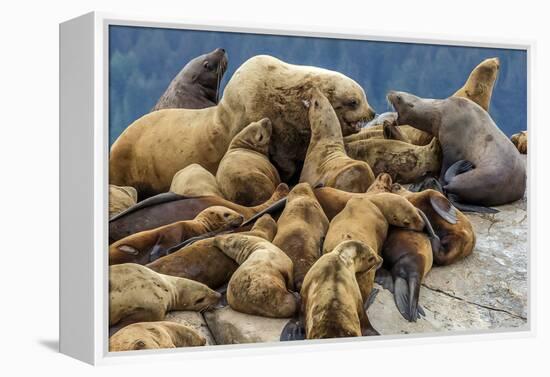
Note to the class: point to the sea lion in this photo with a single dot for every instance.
(404, 162)
(301, 229)
(121, 198)
(167, 208)
(205, 263)
(520, 141)
(194, 180)
(169, 140)
(245, 175)
(367, 218)
(454, 229)
(480, 164)
(263, 282)
(145, 246)
(332, 305)
(326, 160)
(479, 85)
(139, 294)
(154, 335)
(197, 85)
(408, 256)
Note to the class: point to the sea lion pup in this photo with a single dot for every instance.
(454, 229)
(262, 87)
(194, 180)
(197, 85)
(479, 85)
(245, 175)
(205, 263)
(367, 218)
(301, 229)
(263, 282)
(139, 294)
(120, 199)
(154, 335)
(332, 305)
(480, 164)
(403, 161)
(168, 208)
(145, 246)
(520, 141)
(326, 160)
(408, 256)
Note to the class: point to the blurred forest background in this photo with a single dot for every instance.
(143, 61)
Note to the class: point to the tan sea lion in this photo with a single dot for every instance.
(194, 180)
(121, 198)
(148, 245)
(245, 175)
(139, 294)
(404, 162)
(205, 263)
(197, 85)
(169, 140)
(167, 208)
(263, 282)
(301, 229)
(480, 164)
(326, 160)
(154, 335)
(332, 305)
(479, 85)
(520, 141)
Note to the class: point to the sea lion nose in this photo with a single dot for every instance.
(220, 50)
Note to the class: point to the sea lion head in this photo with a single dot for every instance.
(265, 227)
(364, 257)
(382, 183)
(195, 296)
(480, 83)
(237, 246)
(300, 190)
(255, 136)
(207, 71)
(415, 111)
(217, 217)
(398, 211)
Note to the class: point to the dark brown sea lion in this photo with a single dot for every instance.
(480, 164)
(245, 175)
(197, 85)
(332, 305)
(326, 160)
(156, 146)
(154, 335)
(167, 208)
(263, 282)
(145, 246)
(301, 229)
(520, 141)
(205, 263)
(139, 294)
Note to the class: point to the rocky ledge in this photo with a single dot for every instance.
(487, 290)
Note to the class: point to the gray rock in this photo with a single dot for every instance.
(194, 320)
(231, 327)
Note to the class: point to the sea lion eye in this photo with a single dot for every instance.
(206, 65)
(226, 215)
(200, 300)
(352, 103)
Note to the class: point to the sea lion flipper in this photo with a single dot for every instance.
(428, 182)
(293, 330)
(279, 205)
(154, 200)
(392, 132)
(443, 207)
(465, 207)
(384, 278)
(421, 312)
(401, 296)
(223, 299)
(370, 331)
(459, 167)
(371, 298)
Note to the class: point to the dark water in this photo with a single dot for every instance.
(143, 61)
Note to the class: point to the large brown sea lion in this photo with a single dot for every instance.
(139, 294)
(197, 85)
(479, 85)
(204, 262)
(301, 229)
(120, 199)
(154, 335)
(326, 160)
(148, 245)
(404, 162)
(168, 208)
(245, 175)
(520, 141)
(480, 164)
(156, 146)
(263, 282)
(332, 305)
(194, 180)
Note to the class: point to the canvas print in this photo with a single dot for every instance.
(272, 188)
